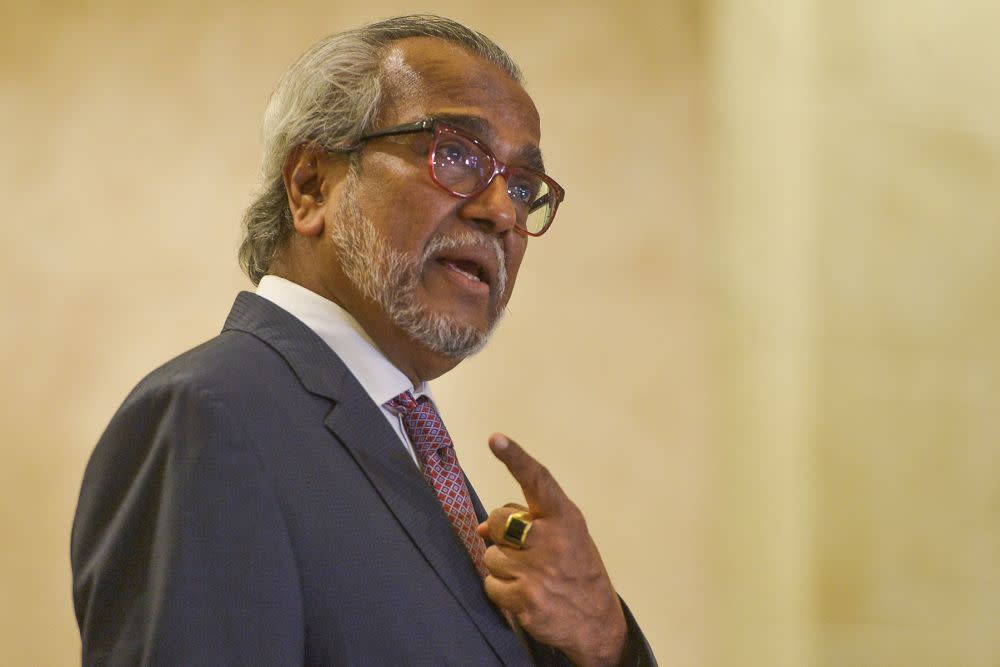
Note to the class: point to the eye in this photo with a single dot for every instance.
(523, 190)
(452, 153)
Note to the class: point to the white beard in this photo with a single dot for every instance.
(391, 278)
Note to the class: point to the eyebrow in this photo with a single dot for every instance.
(528, 156)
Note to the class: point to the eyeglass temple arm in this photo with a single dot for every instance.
(409, 128)
(541, 201)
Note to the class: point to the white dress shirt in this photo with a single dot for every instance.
(380, 379)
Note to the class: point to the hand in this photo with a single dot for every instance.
(556, 587)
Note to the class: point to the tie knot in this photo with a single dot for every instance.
(423, 424)
(404, 403)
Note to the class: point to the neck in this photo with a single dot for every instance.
(418, 363)
(413, 359)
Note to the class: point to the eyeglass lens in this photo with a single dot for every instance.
(463, 167)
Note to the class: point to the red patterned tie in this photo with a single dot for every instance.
(441, 470)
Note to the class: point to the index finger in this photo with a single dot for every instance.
(541, 491)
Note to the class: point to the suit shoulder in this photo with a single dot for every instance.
(194, 400)
(231, 361)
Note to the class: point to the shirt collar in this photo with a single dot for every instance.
(380, 379)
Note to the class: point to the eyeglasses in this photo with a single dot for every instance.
(463, 166)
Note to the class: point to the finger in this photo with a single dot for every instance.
(540, 488)
(483, 528)
(499, 563)
(496, 524)
(503, 593)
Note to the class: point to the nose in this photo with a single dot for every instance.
(492, 209)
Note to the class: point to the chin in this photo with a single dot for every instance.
(445, 335)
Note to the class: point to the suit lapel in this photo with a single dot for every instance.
(362, 429)
(477, 504)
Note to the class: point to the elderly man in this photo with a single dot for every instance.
(286, 493)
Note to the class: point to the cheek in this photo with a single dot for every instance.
(395, 217)
(514, 257)
(407, 211)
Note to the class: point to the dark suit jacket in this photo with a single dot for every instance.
(249, 505)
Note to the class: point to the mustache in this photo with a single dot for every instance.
(471, 237)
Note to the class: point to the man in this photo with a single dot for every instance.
(285, 493)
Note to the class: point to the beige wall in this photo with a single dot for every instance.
(908, 432)
(856, 252)
(758, 348)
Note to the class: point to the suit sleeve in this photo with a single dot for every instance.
(180, 552)
(637, 650)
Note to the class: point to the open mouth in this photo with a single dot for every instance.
(472, 261)
(470, 269)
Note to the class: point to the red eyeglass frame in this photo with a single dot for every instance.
(437, 127)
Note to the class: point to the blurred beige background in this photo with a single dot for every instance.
(759, 348)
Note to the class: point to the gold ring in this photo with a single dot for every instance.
(516, 530)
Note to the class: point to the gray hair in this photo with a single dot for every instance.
(329, 98)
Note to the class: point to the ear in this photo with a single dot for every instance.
(305, 183)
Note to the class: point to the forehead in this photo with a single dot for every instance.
(427, 76)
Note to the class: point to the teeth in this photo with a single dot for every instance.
(470, 276)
